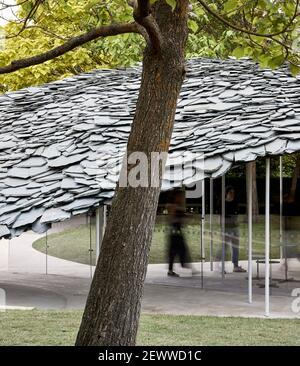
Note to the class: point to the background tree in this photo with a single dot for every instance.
(52, 23)
(264, 30)
(38, 29)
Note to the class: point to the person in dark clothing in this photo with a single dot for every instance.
(231, 228)
(176, 241)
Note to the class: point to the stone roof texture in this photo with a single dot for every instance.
(61, 144)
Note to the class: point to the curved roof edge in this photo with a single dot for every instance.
(61, 144)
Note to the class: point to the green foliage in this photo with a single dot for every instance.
(288, 163)
(295, 69)
(214, 38)
(56, 21)
(172, 3)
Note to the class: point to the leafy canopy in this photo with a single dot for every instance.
(55, 21)
(52, 25)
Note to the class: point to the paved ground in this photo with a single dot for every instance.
(18, 255)
(22, 276)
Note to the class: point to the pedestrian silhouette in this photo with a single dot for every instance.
(177, 246)
(231, 234)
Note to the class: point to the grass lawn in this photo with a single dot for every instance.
(60, 328)
(74, 244)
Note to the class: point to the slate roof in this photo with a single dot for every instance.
(60, 142)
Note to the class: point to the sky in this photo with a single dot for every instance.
(6, 13)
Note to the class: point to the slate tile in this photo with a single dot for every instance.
(54, 215)
(65, 144)
(66, 160)
(29, 217)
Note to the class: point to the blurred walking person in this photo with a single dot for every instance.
(177, 246)
(232, 236)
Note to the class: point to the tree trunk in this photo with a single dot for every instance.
(113, 306)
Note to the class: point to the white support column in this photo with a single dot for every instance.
(267, 240)
(203, 218)
(250, 229)
(223, 227)
(46, 252)
(281, 207)
(89, 216)
(202, 231)
(211, 212)
(100, 228)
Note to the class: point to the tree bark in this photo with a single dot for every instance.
(71, 44)
(113, 306)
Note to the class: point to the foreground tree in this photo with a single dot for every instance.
(113, 305)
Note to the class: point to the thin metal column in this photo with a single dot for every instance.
(98, 236)
(281, 208)
(202, 249)
(100, 228)
(90, 244)
(267, 240)
(211, 212)
(223, 227)
(46, 250)
(250, 229)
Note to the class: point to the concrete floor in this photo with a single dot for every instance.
(23, 278)
(179, 296)
(17, 255)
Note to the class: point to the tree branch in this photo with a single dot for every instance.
(25, 21)
(143, 8)
(104, 31)
(142, 15)
(248, 31)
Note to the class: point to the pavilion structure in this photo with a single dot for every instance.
(62, 144)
